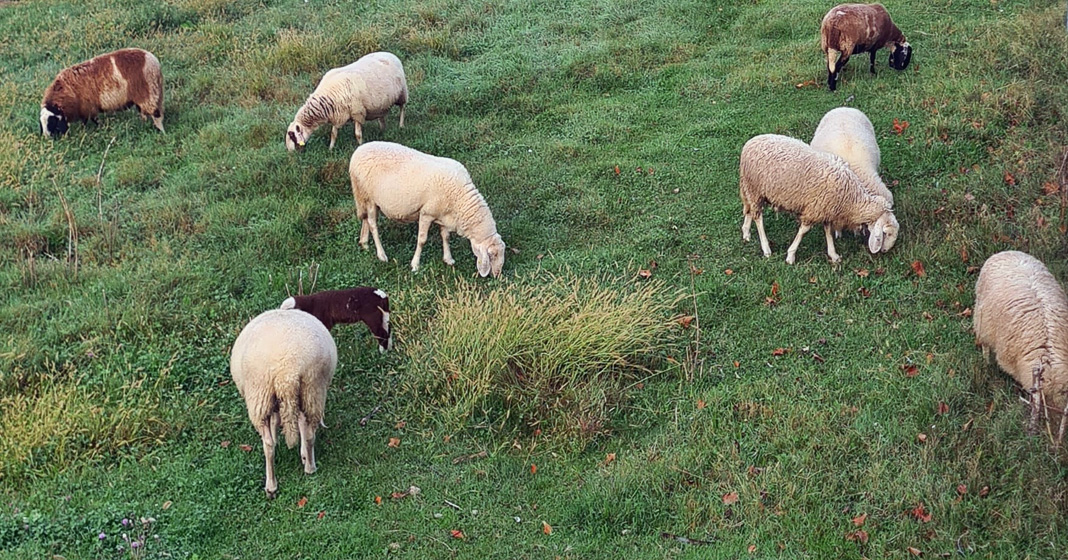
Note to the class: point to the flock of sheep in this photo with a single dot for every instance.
(283, 360)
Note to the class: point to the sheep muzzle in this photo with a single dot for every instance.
(900, 56)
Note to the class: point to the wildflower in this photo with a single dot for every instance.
(135, 544)
(102, 536)
(125, 522)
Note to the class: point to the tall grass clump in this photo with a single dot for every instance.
(555, 359)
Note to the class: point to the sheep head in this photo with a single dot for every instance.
(53, 122)
(296, 136)
(489, 255)
(883, 233)
(900, 55)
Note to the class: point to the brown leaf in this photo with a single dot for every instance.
(1050, 187)
(752, 548)
(917, 267)
(700, 404)
(730, 498)
(378, 500)
(456, 534)
(400, 425)
(224, 443)
(921, 514)
(859, 535)
(609, 458)
(966, 313)
(685, 321)
(393, 442)
(533, 468)
(301, 502)
(617, 170)
(911, 370)
(737, 364)
(943, 408)
(728, 272)
(1009, 179)
(864, 292)
(862, 272)
(778, 352)
(166, 505)
(321, 515)
(546, 528)
(245, 447)
(860, 519)
(645, 273)
(806, 83)
(984, 491)
(774, 289)
(962, 489)
(900, 126)
(754, 471)
(922, 437)
(914, 551)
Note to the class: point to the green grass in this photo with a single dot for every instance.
(114, 386)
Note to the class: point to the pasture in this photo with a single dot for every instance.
(638, 372)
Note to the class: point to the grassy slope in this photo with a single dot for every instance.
(190, 233)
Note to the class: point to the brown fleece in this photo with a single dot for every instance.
(86, 89)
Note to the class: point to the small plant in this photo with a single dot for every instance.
(137, 539)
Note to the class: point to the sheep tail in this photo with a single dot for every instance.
(288, 392)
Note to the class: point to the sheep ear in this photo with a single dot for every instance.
(482, 261)
(875, 238)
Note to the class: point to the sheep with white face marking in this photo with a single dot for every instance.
(367, 305)
(407, 186)
(849, 29)
(110, 82)
(848, 134)
(1021, 313)
(362, 91)
(790, 175)
(282, 364)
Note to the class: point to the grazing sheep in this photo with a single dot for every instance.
(849, 29)
(848, 134)
(109, 82)
(1021, 312)
(821, 188)
(408, 185)
(369, 305)
(282, 363)
(362, 91)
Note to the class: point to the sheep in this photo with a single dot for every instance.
(408, 185)
(109, 82)
(847, 133)
(821, 188)
(362, 91)
(369, 305)
(1021, 313)
(282, 364)
(849, 29)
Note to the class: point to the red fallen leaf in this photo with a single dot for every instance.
(224, 443)
(398, 495)
(639, 170)
(806, 83)
(859, 535)
(617, 170)
(685, 321)
(730, 498)
(966, 313)
(728, 272)
(860, 519)
(911, 370)
(696, 271)
(537, 431)
(378, 500)
(321, 514)
(864, 292)
(863, 272)
(917, 267)
(962, 489)
(1050, 187)
(811, 279)
(774, 289)
(400, 425)
(301, 502)
(914, 551)
(928, 316)
(900, 126)
(456, 534)
(1040, 221)
(700, 404)
(737, 364)
(245, 447)
(923, 439)
(752, 548)
(533, 468)
(972, 270)
(755, 471)
(778, 352)
(943, 408)
(650, 170)
(1009, 179)
(645, 273)
(393, 442)
(546, 528)
(609, 458)
(985, 490)
(921, 514)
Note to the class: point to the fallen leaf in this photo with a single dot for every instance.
(1050, 188)
(685, 321)
(863, 272)
(728, 272)
(962, 489)
(546, 528)
(245, 447)
(378, 500)
(730, 498)
(301, 502)
(774, 289)
(617, 170)
(700, 404)
(609, 458)
(456, 534)
(1009, 179)
(224, 443)
(645, 273)
(911, 370)
(858, 535)
(533, 468)
(920, 513)
(393, 442)
(922, 437)
(166, 505)
(917, 267)
(754, 471)
(864, 292)
(752, 548)
(321, 514)
(778, 352)
(985, 490)
(914, 551)
(900, 126)
(806, 83)
(860, 519)
(737, 364)
(966, 313)
(400, 425)
(943, 408)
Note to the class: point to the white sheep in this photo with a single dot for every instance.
(848, 29)
(847, 133)
(1021, 312)
(109, 82)
(820, 187)
(362, 91)
(408, 185)
(282, 364)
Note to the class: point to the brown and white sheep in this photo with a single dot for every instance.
(367, 305)
(849, 29)
(109, 82)
(790, 175)
(1021, 313)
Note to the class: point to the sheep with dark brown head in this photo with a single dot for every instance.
(367, 305)
(110, 82)
(849, 29)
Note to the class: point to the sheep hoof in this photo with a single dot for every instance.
(790, 259)
(382, 257)
(415, 267)
(450, 262)
(271, 493)
(745, 237)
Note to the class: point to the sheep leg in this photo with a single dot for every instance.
(358, 131)
(764, 245)
(424, 228)
(872, 67)
(333, 136)
(307, 443)
(830, 244)
(791, 253)
(372, 222)
(402, 117)
(747, 227)
(365, 231)
(445, 251)
(268, 430)
(382, 123)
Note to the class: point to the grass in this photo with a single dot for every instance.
(605, 137)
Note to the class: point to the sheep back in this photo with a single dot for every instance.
(847, 133)
(363, 91)
(1021, 312)
(792, 176)
(283, 362)
(856, 28)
